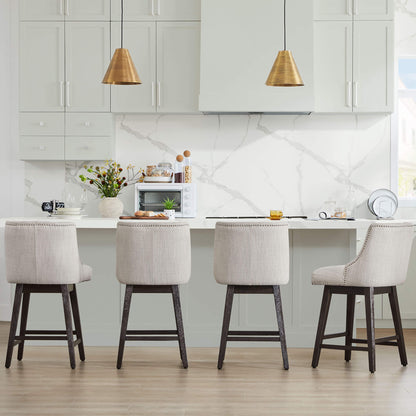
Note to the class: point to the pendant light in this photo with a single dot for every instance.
(121, 70)
(284, 72)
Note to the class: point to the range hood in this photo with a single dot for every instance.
(239, 42)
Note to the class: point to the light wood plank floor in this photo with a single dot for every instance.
(252, 382)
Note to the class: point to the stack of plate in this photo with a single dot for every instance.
(383, 203)
(69, 213)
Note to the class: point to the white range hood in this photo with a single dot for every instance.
(239, 43)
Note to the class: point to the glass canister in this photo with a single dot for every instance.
(187, 169)
(179, 169)
(163, 172)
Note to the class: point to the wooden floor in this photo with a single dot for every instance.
(252, 382)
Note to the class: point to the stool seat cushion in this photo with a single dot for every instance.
(330, 275)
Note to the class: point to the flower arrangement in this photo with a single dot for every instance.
(109, 178)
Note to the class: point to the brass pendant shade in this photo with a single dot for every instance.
(284, 72)
(121, 70)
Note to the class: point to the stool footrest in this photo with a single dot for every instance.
(251, 338)
(275, 333)
(378, 341)
(151, 338)
(337, 335)
(344, 347)
(152, 332)
(42, 338)
(47, 332)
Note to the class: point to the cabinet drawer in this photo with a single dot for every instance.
(41, 124)
(89, 124)
(89, 148)
(42, 148)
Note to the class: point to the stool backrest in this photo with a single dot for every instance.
(41, 252)
(153, 252)
(251, 253)
(384, 258)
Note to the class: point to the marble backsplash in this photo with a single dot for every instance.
(242, 164)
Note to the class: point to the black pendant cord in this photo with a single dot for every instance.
(284, 23)
(122, 18)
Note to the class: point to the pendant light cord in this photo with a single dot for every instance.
(284, 24)
(122, 18)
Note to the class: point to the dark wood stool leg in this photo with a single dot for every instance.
(281, 325)
(13, 324)
(349, 327)
(395, 311)
(124, 322)
(68, 324)
(323, 317)
(23, 324)
(77, 322)
(179, 324)
(369, 312)
(225, 324)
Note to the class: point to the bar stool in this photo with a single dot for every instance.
(43, 257)
(252, 257)
(153, 257)
(379, 267)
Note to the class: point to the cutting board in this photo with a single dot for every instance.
(143, 218)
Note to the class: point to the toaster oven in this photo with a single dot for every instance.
(150, 197)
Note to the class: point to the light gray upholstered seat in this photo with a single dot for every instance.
(153, 252)
(383, 260)
(251, 253)
(43, 252)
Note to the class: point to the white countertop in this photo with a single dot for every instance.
(202, 223)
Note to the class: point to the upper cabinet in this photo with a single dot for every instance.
(136, 10)
(357, 9)
(44, 10)
(62, 64)
(166, 55)
(239, 43)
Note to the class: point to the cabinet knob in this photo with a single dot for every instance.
(41, 123)
(42, 148)
(87, 124)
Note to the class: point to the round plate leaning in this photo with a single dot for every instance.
(383, 206)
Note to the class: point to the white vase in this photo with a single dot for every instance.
(170, 213)
(110, 207)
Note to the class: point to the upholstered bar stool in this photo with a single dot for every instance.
(379, 267)
(42, 257)
(252, 257)
(153, 257)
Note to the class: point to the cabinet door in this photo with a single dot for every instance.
(333, 66)
(373, 83)
(140, 40)
(41, 68)
(373, 9)
(87, 10)
(333, 9)
(178, 9)
(41, 10)
(133, 9)
(178, 66)
(87, 58)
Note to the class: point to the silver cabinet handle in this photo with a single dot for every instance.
(41, 148)
(348, 94)
(158, 8)
(67, 94)
(67, 7)
(153, 93)
(41, 123)
(159, 100)
(349, 7)
(87, 124)
(61, 93)
(355, 9)
(153, 7)
(61, 7)
(355, 93)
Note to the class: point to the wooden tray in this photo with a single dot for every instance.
(143, 218)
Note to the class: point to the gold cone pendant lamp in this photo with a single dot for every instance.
(121, 70)
(284, 72)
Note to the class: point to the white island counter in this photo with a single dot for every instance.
(313, 244)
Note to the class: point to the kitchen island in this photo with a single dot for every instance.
(313, 243)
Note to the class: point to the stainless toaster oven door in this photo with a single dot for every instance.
(152, 200)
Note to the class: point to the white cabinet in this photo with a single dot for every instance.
(136, 10)
(56, 10)
(356, 9)
(239, 43)
(41, 66)
(62, 64)
(87, 56)
(353, 67)
(170, 76)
